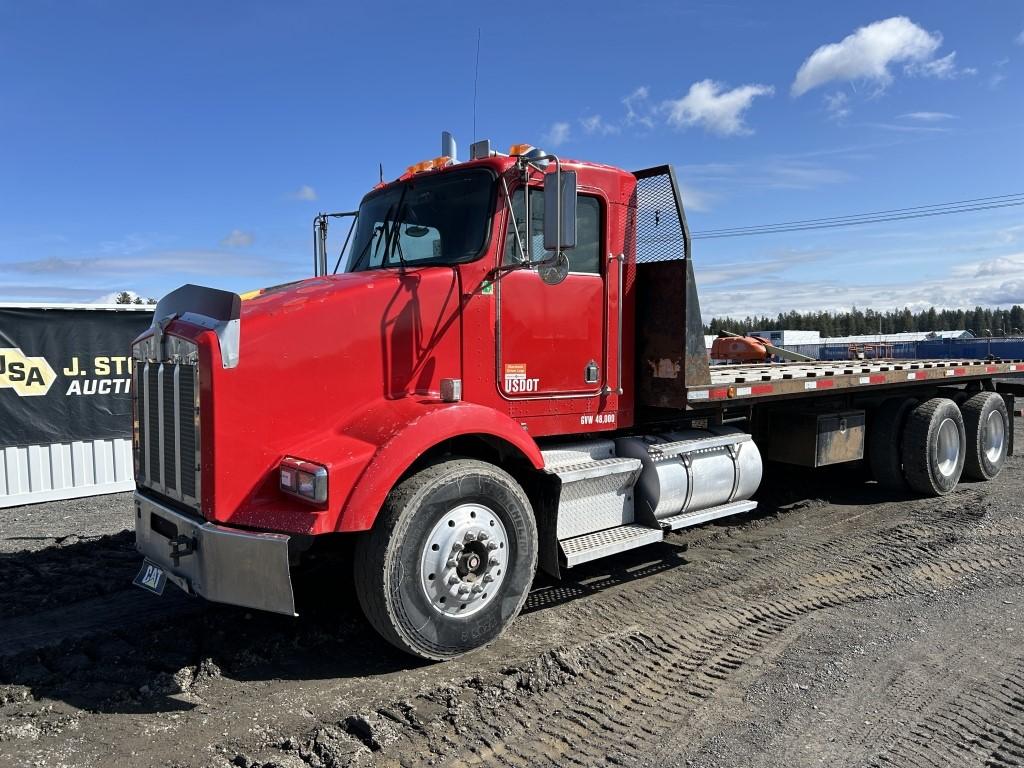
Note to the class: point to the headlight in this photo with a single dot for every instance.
(303, 479)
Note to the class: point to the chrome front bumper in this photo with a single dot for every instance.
(225, 565)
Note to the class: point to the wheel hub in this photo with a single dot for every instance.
(994, 437)
(464, 560)
(947, 448)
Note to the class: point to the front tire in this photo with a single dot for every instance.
(450, 560)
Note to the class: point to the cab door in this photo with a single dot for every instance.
(551, 338)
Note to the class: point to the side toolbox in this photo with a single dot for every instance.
(814, 439)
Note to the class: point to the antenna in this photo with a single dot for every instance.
(476, 78)
(380, 167)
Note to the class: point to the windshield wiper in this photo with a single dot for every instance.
(395, 235)
(388, 234)
(362, 254)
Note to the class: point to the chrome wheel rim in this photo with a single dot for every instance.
(994, 437)
(947, 448)
(464, 559)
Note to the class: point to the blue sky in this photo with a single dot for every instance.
(145, 145)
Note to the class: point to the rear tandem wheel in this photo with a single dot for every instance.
(934, 447)
(987, 423)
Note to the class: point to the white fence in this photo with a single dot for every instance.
(33, 473)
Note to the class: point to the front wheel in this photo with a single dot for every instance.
(450, 560)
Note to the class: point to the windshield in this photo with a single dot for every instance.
(437, 219)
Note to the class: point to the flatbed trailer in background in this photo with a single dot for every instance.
(508, 374)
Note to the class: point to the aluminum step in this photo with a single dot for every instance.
(688, 519)
(565, 454)
(584, 470)
(592, 546)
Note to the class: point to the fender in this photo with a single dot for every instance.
(420, 426)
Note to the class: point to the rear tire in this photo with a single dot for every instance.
(450, 560)
(988, 427)
(934, 447)
(885, 442)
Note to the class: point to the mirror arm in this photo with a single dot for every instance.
(527, 165)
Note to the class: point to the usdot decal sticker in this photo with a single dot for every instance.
(516, 380)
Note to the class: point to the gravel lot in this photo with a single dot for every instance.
(835, 626)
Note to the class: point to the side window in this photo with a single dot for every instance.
(585, 257)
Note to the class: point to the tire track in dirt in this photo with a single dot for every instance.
(981, 724)
(609, 699)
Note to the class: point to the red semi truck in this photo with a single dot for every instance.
(505, 370)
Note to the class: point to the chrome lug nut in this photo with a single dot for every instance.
(453, 579)
(491, 546)
(483, 536)
(470, 536)
(488, 578)
(478, 589)
(457, 546)
(493, 561)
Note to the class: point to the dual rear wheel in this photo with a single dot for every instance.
(928, 446)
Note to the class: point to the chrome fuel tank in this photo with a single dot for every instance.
(691, 470)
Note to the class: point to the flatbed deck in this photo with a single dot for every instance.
(757, 382)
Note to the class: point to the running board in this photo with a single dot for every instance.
(591, 546)
(688, 519)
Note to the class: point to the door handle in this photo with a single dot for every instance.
(591, 373)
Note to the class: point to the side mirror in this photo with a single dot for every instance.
(566, 223)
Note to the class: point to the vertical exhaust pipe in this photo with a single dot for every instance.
(448, 148)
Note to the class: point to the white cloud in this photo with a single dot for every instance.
(772, 173)
(597, 124)
(557, 135)
(1019, 39)
(695, 199)
(305, 192)
(717, 110)
(237, 238)
(638, 111)
(837, 105)
(943, 69)
(179, 262)
(928, 117)
(867, 53)
(987, 283)
(15, 293)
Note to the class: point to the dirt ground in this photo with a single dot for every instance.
(835, 626)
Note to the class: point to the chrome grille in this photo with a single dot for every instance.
(167, 404)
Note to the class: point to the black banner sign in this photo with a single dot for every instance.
(65, 374)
